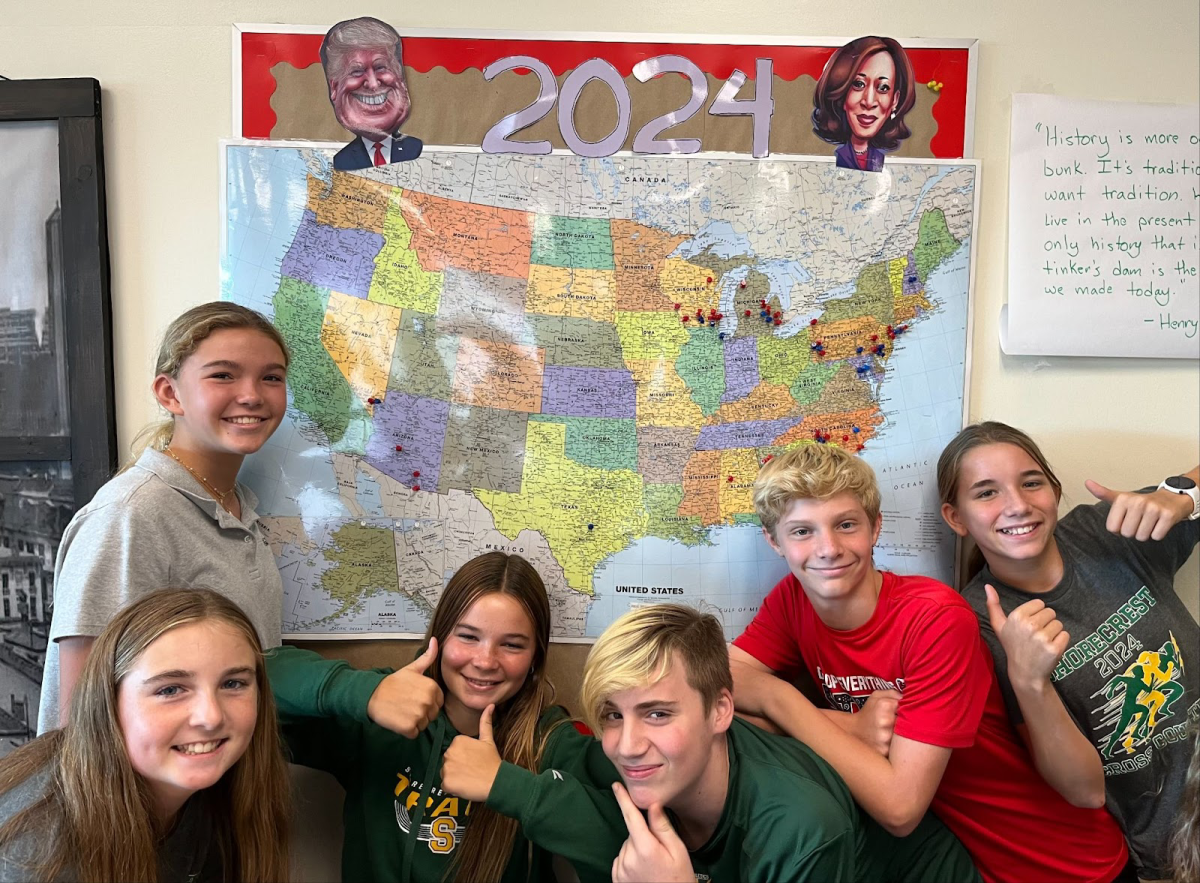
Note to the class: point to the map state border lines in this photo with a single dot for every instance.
(573, 385)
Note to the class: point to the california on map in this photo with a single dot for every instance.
(586, 362)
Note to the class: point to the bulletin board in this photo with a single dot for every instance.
(280, 91)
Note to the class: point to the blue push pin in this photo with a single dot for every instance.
(859, 350)
(590, 526)
(721, 336)
(762, 312)
(856, 429)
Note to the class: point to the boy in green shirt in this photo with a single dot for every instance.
(726, 800)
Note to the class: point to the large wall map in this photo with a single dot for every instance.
(586, 361)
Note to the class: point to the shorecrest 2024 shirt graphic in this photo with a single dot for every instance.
(585, 362)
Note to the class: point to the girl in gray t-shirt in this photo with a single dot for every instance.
(1097, 656)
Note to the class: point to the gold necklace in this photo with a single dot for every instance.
(208, 485)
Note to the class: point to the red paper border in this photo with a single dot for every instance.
(261, 51)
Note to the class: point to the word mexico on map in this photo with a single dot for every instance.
(586, 362)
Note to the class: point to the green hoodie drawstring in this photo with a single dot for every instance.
(438, 732)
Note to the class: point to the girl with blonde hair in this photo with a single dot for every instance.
(176, 515)
(170, 765)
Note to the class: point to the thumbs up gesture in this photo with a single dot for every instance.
(1032, 636)
(1141, 516)
(469, 766)
(408, 700)
(653, 853)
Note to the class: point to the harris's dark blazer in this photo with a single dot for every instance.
(845, 158)
(354, 155)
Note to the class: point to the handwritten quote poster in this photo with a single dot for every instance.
(1103, 229)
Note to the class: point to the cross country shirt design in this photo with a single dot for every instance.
(1136, 708)
(445, 821)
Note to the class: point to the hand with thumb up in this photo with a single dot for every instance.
(469, 766)
(1032, 636)
(408, 700)
(1141, 516)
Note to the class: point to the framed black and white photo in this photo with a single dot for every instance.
(57, 421)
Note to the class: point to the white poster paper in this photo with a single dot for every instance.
(1103, 229)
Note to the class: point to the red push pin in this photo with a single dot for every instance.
(371, 400)
(889, 328)
(767, 459)
(685, 318)
(874, 337)
(730, 479)
(416, 487)
(677, 306)
(747, 312)
(720, 316)
(778, 321)
(845, 438)
(399, 447)
(416, 473)
(860, 447)
(742, 284)
(813, 323)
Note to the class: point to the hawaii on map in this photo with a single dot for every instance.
(586, 362)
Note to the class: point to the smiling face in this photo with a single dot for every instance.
(870, 98)
(486, 658)
(1008, 506)
(370, 98)
(187, 709)
(662, 742)
(229, 395)
(828, 546)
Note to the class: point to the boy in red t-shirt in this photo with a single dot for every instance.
(915, 718)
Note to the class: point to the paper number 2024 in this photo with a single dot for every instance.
(759, 108)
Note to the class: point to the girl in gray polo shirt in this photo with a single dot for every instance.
(176, 517)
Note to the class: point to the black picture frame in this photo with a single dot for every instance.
(90, 445)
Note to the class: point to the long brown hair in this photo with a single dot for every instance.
(93, 786)
(180, 340)
(989, 432)
(485, 852)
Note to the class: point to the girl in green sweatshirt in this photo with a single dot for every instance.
(383, 735)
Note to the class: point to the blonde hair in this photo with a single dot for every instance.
(640, 649)
(93, 785)
(180, 340)
(813, 472)
(487, 849)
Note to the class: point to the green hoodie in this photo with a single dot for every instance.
(399, 823)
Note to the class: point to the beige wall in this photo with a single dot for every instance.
(165, 68)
